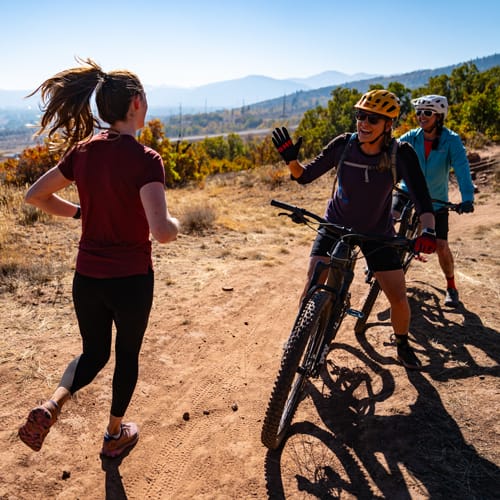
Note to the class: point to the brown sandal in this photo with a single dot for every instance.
(38, 424)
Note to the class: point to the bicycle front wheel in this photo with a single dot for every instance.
(302, 352)
(373, 293)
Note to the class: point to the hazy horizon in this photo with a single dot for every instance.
(195, 43)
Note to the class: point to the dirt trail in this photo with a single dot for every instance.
(224, 305)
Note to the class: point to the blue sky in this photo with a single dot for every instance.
(191, 43)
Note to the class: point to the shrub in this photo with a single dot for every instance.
(198, 218)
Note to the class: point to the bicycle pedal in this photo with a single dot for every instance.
(355, 313)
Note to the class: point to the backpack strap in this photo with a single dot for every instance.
(341, 161)
(394, 153)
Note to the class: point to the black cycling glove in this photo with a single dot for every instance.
(466, 207)
(283, 143)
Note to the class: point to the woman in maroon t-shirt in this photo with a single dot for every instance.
(122, 195)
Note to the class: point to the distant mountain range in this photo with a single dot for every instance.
(307, 99)
(242, 91)
(255, 90)
(224, 94)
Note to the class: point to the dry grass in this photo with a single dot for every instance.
(198, 218)
(31, 253)
(222, 319)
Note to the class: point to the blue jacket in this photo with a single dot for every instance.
(436, 168)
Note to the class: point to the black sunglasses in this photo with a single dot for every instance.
(425, 112)
(372, 119)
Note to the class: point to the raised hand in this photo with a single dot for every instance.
(285, 146)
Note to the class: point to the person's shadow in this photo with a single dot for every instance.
(443, 338)
(446, 338)
(422, 453)
(113, 480)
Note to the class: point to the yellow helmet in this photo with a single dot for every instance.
(381, 102)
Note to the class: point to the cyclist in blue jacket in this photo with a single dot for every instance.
(439, 149)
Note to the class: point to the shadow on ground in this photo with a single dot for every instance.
(420, 453)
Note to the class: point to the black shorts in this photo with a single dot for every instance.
(442, 225)
(379, 257)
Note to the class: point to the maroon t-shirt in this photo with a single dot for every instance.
(109, 171)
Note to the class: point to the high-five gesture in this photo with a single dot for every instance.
(285, 146)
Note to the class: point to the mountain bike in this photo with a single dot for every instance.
(409, 227)
(320, 316)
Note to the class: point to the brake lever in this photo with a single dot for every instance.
(298, 218)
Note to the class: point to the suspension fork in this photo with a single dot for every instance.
(315, 282)
(336, 313)
(340, 277)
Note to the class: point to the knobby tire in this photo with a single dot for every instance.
(301, 351)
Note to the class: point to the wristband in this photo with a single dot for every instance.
(429, 231)
(78, 213)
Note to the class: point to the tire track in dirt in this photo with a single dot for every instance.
(207, 348)
(247, 316)
(171, 466)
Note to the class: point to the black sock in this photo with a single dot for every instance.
(401, 339)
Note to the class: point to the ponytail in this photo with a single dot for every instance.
(66, 101)
(66, 104)
(439, 131)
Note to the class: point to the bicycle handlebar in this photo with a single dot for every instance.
(300, 215)
(444, 204)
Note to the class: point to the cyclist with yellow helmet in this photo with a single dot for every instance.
(362, 198)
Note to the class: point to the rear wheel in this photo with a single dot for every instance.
(373, 293)
(302, 352)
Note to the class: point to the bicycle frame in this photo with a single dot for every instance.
(340, 272)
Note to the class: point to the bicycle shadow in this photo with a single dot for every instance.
(343, 411)
(113, 480)
(431, 457)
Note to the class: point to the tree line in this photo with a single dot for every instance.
(474, 113)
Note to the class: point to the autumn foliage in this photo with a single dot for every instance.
(474, 113)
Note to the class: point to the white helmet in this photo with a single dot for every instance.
(436, 103)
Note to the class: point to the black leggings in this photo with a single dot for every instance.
(98, 303)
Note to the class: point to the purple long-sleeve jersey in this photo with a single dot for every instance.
(363, 197)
